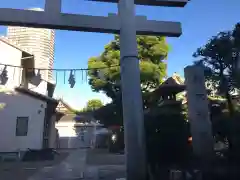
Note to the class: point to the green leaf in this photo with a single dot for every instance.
(152, 50)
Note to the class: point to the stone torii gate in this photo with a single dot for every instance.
(128, 25)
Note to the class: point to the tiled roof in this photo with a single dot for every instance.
(66, 105)
(178, 78)
(36, 95)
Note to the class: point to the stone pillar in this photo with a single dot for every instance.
(198, 111)
(53, 7)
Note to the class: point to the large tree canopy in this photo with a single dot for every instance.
(151, 52)
(216, 57)
(219, 58)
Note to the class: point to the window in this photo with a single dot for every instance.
(22, 126)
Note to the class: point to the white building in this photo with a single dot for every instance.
(75, 134)
(27, 120)
(75, 131)
(27, 117)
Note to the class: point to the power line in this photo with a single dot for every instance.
(38, 76)
(57, 69)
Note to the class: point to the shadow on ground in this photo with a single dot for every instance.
(103, 157)
(104, 165)
(23, 170)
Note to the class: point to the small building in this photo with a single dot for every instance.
(75, 130)
(27, 120)
(75, 133)
(64, 107)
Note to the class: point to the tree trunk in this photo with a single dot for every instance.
(230, 104)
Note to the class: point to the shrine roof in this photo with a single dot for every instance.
(171, 85)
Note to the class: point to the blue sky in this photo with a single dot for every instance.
(200, 20)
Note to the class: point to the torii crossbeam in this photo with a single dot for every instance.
(167, 3)
(75, 22)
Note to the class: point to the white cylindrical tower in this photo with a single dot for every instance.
(40, 41)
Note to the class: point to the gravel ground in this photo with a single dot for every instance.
(23, 170)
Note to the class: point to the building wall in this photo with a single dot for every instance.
(11, 56)
(24, 106)
(74, 137)
(53, 135)
(40, 42)
(41, 88)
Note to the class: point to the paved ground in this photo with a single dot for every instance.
(103, 157)
(23, 170)
(105, 166)
(79, 164)
(71, 168)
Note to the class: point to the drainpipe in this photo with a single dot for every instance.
(50, 89)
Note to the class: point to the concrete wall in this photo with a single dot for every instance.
(20, 105)
(71, 136)
(41, 88)
(53, 135)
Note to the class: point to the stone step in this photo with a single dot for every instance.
(11, 156)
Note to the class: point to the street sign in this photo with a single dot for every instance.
(167, 3)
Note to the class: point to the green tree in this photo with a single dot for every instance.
(236, 51)
(167, 133)
(93, 104)
(220, 57)
(217, 59)
(236, 36)
(151, 53)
